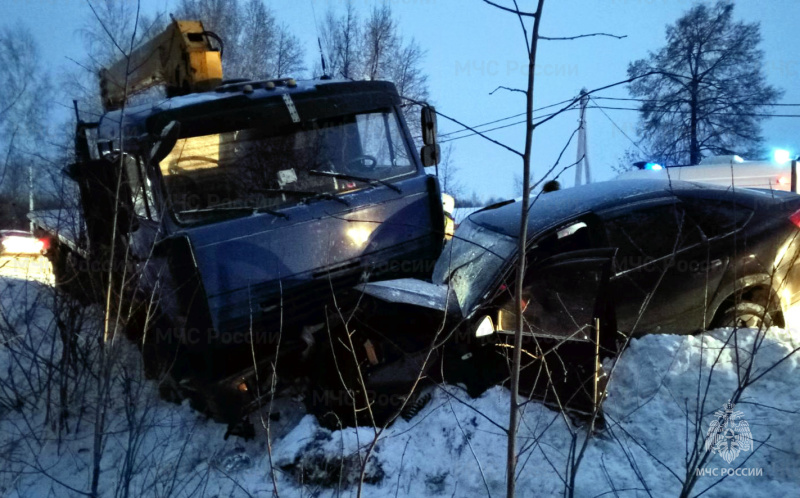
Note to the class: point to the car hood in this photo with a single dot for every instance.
(438, 297)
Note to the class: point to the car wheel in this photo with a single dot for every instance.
(746, 315)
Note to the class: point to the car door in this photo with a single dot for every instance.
(568, 324)
(662, 267)
(564, 288)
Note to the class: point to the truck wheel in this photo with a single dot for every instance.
(159, 358)
(745, 315)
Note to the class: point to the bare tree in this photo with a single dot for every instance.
(707, 90)
(341, 37)
(380, 42)
(23, 120)
(373, 49)
(259, 28)
(449, 174)
(288, 56)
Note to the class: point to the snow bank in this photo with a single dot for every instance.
(455, 446)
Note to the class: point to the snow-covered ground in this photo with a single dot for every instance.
(454, 447)
(26, 268)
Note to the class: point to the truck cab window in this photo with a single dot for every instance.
(140, 188)
(234, 173)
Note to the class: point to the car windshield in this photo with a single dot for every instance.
(471, 261)
(238, 172)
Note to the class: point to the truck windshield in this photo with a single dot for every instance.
(241, 172)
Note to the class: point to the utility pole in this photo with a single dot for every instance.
(30, 192)
(582, 161)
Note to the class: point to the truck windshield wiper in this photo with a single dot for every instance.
(305, 194)
(344, 176)
(233, 209)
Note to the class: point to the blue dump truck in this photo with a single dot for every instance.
(227, 223)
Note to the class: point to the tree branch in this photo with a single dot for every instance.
(557, 38)
(507, 88)
(514, 11)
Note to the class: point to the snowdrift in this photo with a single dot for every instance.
(663, 396)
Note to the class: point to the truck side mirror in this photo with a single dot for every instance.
(430, 154)
(429, 128)
(166, 142)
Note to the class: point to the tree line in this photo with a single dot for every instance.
(256, 44)
(703, 93)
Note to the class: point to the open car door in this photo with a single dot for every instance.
(569, 325)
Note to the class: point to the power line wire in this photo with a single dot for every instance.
(631, 99)
(636, 144)
(602, 108)
(506, 118)
(732, 114)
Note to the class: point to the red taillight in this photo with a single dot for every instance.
(46, 243)
(795, 218)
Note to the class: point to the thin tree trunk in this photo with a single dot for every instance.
(513, 419)
(694, 147)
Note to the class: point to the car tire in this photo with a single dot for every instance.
(745, 315)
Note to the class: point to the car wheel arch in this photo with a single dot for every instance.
(758, 288)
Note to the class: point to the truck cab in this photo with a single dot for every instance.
(237, 218)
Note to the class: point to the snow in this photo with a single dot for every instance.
(455, 446)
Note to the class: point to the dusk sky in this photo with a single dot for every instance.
(472, 48)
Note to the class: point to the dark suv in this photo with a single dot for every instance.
(634, 257)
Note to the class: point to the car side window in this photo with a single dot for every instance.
(559, 302)
(573, 236)
(717, 218)
(647, 234)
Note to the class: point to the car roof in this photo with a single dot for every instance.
(554, 207)
(6, 233)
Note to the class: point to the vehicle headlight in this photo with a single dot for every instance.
(22, 245)
(485, 327)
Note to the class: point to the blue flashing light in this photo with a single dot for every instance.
(653, 166)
